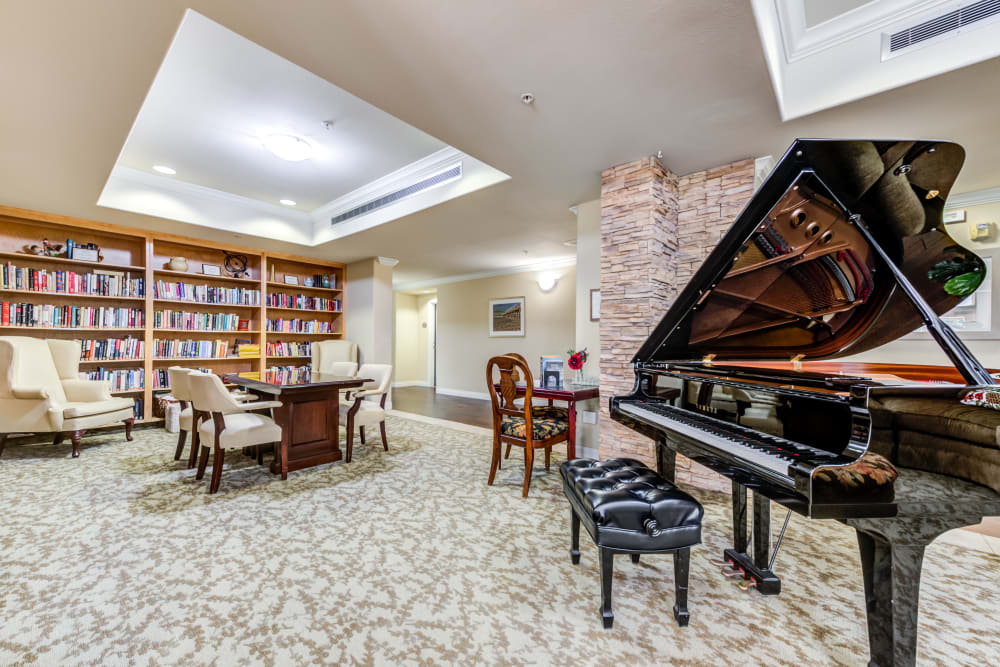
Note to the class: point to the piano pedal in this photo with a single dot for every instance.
(720, 563)
(746, 584)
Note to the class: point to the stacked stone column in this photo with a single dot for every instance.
(656, 230)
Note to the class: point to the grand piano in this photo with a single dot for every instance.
(841, 250)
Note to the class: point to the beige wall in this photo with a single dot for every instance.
(406, 323)
(464, 345)
(914, 351)
(588, 334)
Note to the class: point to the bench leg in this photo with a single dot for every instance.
(574, 547)
(635, 558)
(682, 560)
(607, 573)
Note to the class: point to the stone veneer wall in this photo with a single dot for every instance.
(656, 230)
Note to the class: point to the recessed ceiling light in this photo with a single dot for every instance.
(287, 147)
(287, 202)
(527, 98)
(164, 170)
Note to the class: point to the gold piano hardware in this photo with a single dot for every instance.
(708, 359)
(797, 362)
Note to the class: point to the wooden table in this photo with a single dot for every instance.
(570, 393)
(309, 417)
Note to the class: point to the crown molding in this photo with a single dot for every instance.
(524, 268)
(974, 198)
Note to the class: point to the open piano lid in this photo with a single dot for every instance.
(795, 278)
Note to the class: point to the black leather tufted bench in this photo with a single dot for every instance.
(628, 508)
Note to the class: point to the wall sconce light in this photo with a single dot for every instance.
(547, 281)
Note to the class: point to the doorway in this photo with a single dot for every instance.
(432, 320)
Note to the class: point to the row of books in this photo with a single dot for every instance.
(247, 350)
(206, 293)
(176, 319)
(190, 349)
(138, 408)
(302, 302)
(69, 317)
(121, 379)
(99, 283)
(296, 325)
(111, 348)
(283, 349)
(287, 374)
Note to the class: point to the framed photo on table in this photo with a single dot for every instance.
(507, 317)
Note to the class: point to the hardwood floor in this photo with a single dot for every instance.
(424, 401)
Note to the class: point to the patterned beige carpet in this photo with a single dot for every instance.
(405, 557)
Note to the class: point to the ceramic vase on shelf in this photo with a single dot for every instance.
(177, 264)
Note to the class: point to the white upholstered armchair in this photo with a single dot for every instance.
(41, 392)
(325, 353)
(368, 406)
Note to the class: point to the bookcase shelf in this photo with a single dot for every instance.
(145, 254)
(305, 310)
(62, 261)
(65, 295)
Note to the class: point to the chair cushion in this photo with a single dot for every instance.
(74, 410)
(369, 413)
(243, 429)
(542, 429)
(549, 412)
(625, 505)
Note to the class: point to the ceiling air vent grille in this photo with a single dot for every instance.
(439, 178)
(941, 25)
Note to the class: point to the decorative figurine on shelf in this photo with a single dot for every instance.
(236, 265)
(326, 280)
(50, 249)
(177, 264)
(576, 361)
(308, 282)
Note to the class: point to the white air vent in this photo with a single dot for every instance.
(941, 27)
(438, 179)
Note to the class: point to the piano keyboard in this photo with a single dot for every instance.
(733, 441)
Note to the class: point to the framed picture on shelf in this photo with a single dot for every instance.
(85, 254)
(211, 269)
(595, 305)
(291, 280)
(507, 317)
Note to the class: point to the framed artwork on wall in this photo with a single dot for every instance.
(595, 305)
(507, 317)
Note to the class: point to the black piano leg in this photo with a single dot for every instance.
(892, 589)
(739, 517)
(761, 531)
(666, 461)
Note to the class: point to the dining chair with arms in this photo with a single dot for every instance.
(227, 423)
(368, 405)
(515, 424)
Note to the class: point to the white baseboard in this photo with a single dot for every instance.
(412, 383)
(481, 395)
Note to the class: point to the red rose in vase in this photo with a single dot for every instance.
(575, 361)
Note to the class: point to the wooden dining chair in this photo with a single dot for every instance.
(537, 411)
(517, 424)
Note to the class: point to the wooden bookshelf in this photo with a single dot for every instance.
(145, 254)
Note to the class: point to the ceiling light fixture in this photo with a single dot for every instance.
(287, 202)
(164, 170)
(527, 98)
(287, 147)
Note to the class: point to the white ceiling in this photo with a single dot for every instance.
(614, 81)
(217, 94)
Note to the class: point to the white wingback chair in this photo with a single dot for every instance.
(369, 404)
(41, 392)
(325, 353)
(232, 424)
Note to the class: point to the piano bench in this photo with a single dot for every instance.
(628, 508)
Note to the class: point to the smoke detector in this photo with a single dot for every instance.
(527, 98)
